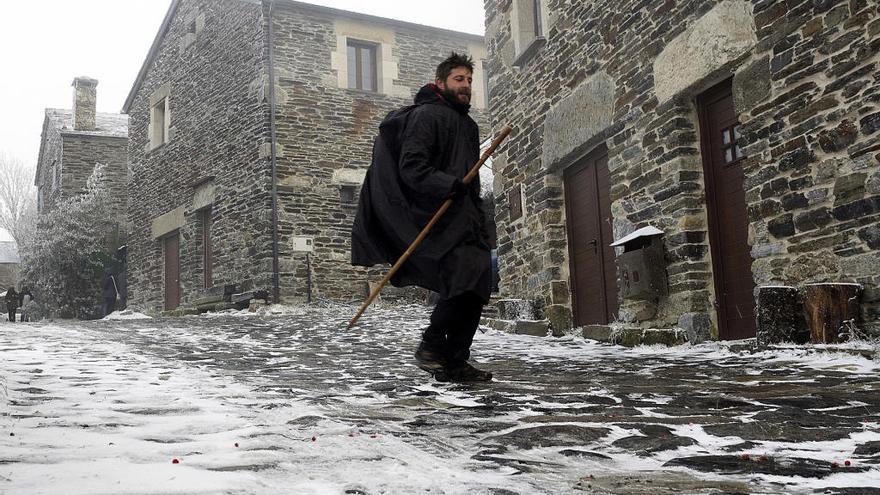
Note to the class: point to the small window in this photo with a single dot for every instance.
(347, 194)
(528, 29)
(158, 127)
(730, 141)
(514, 199)
(362, 70)
(536, 18)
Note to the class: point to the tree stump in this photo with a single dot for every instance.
(781, 316)
(829, 308)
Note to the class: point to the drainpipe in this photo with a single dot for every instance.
(276, 284)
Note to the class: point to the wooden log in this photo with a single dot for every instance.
(781, 316)
(829, 308)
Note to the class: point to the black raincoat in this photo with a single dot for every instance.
(419, 153)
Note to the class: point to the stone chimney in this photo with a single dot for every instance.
(85, 96)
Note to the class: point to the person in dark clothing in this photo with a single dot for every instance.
(422, 153)
(11, 303)
(109, 292)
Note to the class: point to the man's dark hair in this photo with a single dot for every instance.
(454, 60)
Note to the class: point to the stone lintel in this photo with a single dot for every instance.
(576, 124)
(714, 42)
(204, 195)
(348, 177)
(169, 222)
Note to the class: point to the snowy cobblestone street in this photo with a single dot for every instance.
(295, 403)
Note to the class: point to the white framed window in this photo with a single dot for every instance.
(529, 24)
(362, 65)
(365, 60)
(160, 118)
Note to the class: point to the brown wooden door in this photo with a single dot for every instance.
(591, 259)
(172, 271)
(728, 215)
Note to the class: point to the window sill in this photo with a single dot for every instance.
(365, 92)
(156, 148)
(534, 47)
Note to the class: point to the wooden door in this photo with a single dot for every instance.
(728, 215)
(591, 259)
(172, 271)
(207, 248)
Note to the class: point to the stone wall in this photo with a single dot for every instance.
(9, 276)
(805, 87)
(325, 132)
(48, 180)
(210, 61)
(219, 136)
(81, 153)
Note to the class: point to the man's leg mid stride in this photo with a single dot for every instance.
(445, 347)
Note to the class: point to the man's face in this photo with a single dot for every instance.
(458, 84)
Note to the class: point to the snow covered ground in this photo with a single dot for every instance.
(295, 403)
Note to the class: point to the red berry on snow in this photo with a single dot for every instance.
(236, 444)
(846, 462)
(351, 434)
(314, 438)
(175, 461)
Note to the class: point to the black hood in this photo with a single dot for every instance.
(432, 94)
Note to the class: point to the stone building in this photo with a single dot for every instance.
(216, 202)
(72, 143)
(9, 265)
(746, 131)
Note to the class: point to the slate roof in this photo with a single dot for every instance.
(106, 124)
(8, 253)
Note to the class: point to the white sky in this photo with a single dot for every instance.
(45, 44)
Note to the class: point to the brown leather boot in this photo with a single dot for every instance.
(428, 360)
(466, 373)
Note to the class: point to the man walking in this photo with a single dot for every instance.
(419, 159)
(11, 303)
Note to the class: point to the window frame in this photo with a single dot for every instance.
(360, 46)
(515, 205)
(158, 119)
(528, 41)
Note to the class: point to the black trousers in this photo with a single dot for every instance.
(11, 310)
(454, 322)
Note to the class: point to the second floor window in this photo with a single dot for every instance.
(362, 71)
(159, 130)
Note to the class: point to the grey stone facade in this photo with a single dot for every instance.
(9, 265)
(73, 142)
(210, 74)
(626, 74)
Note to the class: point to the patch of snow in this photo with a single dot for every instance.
(126, 315)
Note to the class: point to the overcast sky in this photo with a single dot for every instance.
(45, 44)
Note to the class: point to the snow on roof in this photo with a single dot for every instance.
(107, 124)
(9, 253)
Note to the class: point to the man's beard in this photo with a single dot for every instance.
(452, 96)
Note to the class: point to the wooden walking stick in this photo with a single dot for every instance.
(424, 233)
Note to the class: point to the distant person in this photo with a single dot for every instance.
(26, 301)
(11, 303)
(110, 292)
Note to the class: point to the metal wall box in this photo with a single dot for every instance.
(642, 265)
